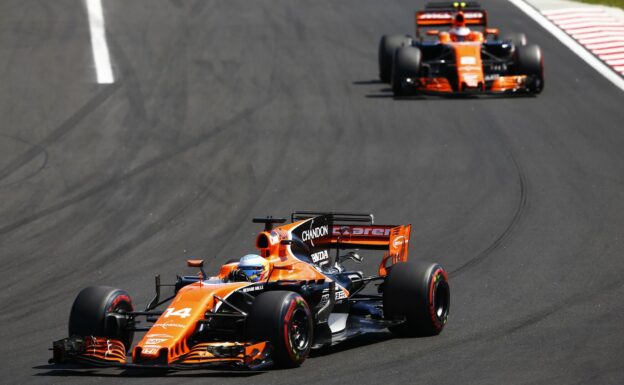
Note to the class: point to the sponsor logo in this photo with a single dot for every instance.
(252, 288)
(308, 235)
(361, 230)
(166, 325)
(338, 296)
(435, 16)
(151, 335)
(151, 351)
(473, 15)
(155, 341)
(320, 256)
(468, 60)
(471, 80)
(398, 241)
(448, 16)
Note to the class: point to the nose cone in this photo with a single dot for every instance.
(167, 339)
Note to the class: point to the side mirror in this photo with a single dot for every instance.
(433, 32)
(197, 263)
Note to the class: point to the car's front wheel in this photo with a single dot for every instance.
(406, 64)
(90, 314)
(284, 319)
(530, 62)
(387, 45)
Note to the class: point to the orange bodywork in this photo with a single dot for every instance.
(469, 66)
(105, 349)
(167, 341)
(177, 323)
(508, 83)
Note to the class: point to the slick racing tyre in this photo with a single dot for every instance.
(387, 45)
(89, 314)
(284, 319)
(419, 293)
(406, 64)
(530, 62)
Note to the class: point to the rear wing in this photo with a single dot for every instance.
(442, 15)
(354, 231)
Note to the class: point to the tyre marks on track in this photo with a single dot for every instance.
(512, 224)
(112, 182)
(69, 124)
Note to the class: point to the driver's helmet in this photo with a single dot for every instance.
(459, 32)
(253, 267)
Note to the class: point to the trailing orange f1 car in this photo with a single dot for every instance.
(459, 60)
(266, 308)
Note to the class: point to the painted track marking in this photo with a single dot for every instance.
(572, 44)
(99, 45)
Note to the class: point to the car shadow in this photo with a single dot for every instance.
(355, 342)
(367, 82)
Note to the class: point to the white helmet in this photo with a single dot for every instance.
(253, 267)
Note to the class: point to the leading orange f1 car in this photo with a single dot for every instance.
(462, 59)
(269, 308)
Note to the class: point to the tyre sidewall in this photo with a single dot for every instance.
(88, 316)
(387, 45)
(530, 62)
(270, 320)
(409, 293)
(406, 64)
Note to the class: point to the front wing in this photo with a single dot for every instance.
(441, 85)
(106, 352)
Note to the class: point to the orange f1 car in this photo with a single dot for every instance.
(459, 60)
(268, 308)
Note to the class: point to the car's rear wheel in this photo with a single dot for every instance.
(284, 319)
(406, 64)
(387, 45)
(90, 314)
(530, 62)
(417, 292)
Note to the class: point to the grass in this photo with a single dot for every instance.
(612, 3)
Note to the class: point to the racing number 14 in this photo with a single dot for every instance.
(182, 313)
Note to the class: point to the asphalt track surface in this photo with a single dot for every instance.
(225, 110)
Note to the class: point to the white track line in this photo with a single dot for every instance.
(97, 28)
(575, 47)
